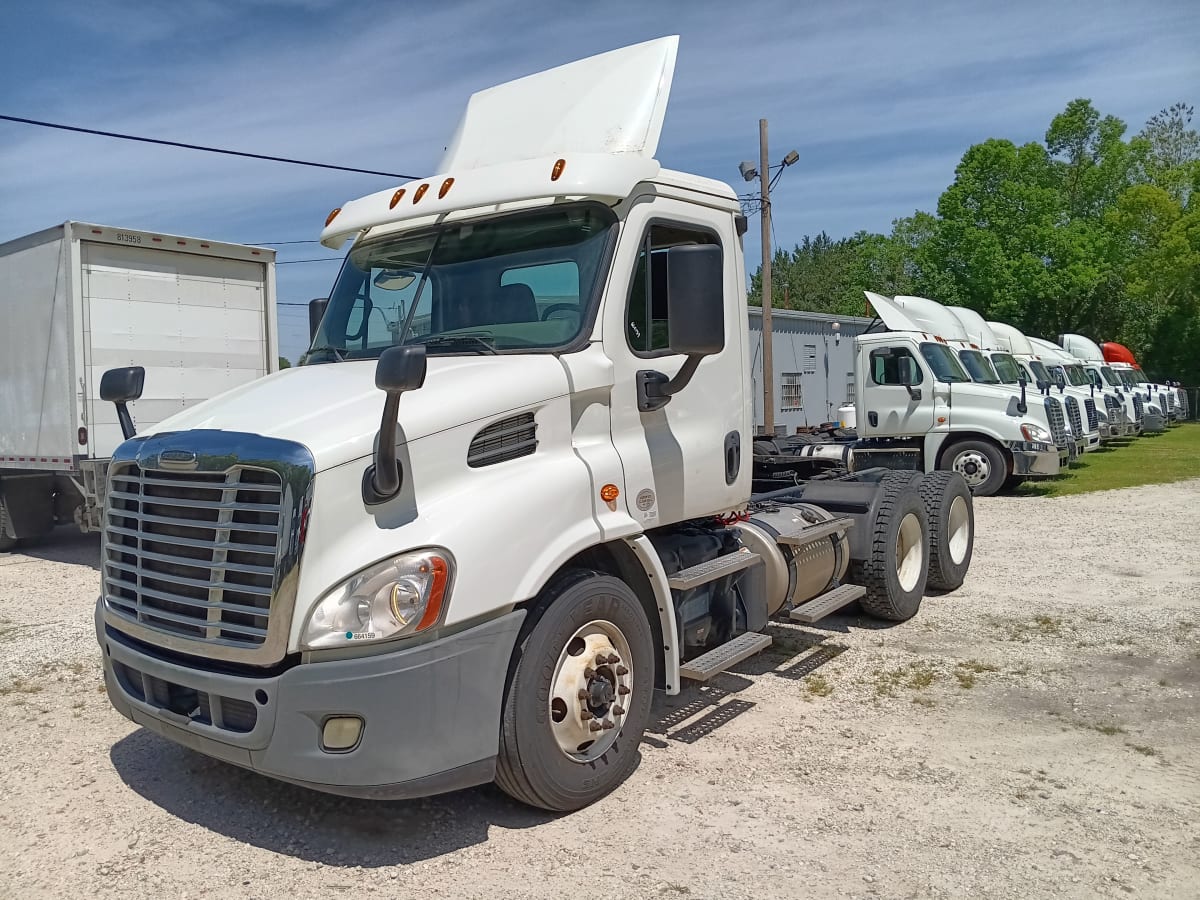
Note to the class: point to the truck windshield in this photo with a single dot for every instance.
(1006, 367)
(1039, 371)
(1110, 376)
(944, 363)
(1077, 376)
(978, 367)
(1125, 378)
(522, 282)
(1138, 376)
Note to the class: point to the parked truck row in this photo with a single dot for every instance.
(510, 492)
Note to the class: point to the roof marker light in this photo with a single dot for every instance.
(396, 198)
(420, 193)
(156, 240)
(557, 171)
(445, 189)
(332, 215)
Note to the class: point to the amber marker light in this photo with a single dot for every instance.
(437, 594)
(445, 189)
(556, 172)
(333, 215)
(396, 198)
(420, 193)
(609, 493)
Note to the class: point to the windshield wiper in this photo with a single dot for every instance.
(479, 342)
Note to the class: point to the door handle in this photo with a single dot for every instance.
(873, 418)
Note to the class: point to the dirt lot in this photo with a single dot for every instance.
(1033, 734)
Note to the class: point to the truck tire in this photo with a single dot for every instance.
(895, 573)
(7, 542)
(981, 464)
(579, 694)
(951, 528)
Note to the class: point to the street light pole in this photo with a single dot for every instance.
(764, 174)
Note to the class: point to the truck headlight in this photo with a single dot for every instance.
(1032, 432)
(1101, 416)
(396, 597)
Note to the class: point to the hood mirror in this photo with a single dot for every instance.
(119, 386)
(400, 369)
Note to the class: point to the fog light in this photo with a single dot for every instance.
(341, 733)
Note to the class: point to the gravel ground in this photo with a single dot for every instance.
(1032, 734)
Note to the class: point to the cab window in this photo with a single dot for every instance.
(895, 365)
(646, 321)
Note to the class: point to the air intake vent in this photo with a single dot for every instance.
(501, 441)
(1093, 420)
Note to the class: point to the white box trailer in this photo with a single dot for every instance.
(78, 299)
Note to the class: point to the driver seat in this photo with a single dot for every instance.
(514, 303)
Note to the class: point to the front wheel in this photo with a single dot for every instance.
(580, 694)
(981, 465)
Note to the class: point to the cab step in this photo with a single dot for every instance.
(829, 602)
(702, 573)
(814, 533)
(725, 656)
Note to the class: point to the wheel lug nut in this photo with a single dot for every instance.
(601, 659)
(613, 659)
(608, 725)
(583, 694)
(618, 711)
(595, 726)
(585, 715)
(621, 670)
(589, 672)
(622, 690)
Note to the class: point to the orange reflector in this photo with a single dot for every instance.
(609, 493)
(941, 420)
(557, 171)
(333, 215)
(420, 193)
(445, 189)
(396, 198)
(97, 231)
(437, 593)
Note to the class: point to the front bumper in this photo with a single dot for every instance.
(1038, 460)
(1153, 422)
(431, 713)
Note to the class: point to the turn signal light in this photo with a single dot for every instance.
(437, 593)
(396, 198)
(446, 185)
(557, 171)
(333, 215)
(609, 493)
(420, 193)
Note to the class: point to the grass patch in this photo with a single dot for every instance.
(915, 676)
(1158, 459)
(967, 672)
(1105, 728)
(1143, 749)
(818, 685)
(19, 686)
(1044, 625)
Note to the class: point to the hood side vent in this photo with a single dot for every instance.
(501, 441)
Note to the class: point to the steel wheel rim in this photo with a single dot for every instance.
(590, 691)
(958, 527)
(973, 466)
(910, 552)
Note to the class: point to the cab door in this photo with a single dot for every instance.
(691, 457)
(898, 394)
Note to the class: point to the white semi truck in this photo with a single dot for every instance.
(554, 515)
(78, 299)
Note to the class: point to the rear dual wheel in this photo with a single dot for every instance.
(895, 573)
(951, 515)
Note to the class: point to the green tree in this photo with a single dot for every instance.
(283, 363)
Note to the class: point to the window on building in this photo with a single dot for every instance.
(646, 322)
(809, 365)
(791, 395)
(851, 396)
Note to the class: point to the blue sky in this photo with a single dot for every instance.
(879, 99)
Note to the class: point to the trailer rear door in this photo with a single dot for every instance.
(198, 324)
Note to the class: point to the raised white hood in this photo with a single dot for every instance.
(917, 314)
(1012, 339)
(1083, 347)
(976, 327)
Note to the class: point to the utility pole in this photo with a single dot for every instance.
(764, 174)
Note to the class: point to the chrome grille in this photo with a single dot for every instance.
(1058, 425)
(1183, 403)
(1074, 417)
(501, 441)
(1138, 408)
(1089, 407)
(193, 554)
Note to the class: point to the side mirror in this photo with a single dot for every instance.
(399, 369)
(1060, 381)
(316, 312)
(695, 319)
(119, 386)
(1022, 405)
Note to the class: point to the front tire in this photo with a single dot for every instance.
(981, 464)
(951, 528)
(579, 698)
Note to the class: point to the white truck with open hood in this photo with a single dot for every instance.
(509, 492)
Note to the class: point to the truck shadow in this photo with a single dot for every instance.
(65, 544)
(308, 825)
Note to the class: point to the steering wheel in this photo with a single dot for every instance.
(559, 307)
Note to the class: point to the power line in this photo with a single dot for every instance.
(146, 140)
(278, 243)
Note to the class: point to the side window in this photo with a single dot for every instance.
(850, 392)
(894, 365)
(646, 326)
(793, 396)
